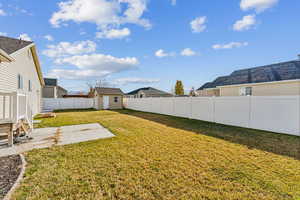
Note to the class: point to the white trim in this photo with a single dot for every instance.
(7, 58)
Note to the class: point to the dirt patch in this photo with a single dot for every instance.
(57, 136)
(10, 168)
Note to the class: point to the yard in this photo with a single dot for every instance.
(162, 157)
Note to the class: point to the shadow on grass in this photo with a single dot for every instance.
(74, 110)
(280, 144)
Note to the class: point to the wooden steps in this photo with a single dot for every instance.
(11, 132)
(6, 132)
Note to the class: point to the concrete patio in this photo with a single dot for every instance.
(47, 137)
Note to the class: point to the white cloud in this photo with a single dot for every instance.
(25, 36)
(114, 33)
(2, 13)
(126, 81)
(230, 45)
(104, 13)
(246, 23)
(161, 53)
(49, 37)
(3, 34)
(199, 24)
(76, 74)
(188, 52)
(93, 66)
(173, 2)
(67, 48)
(258, 5)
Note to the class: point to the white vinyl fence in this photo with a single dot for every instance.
(50, 104)
(272, 113)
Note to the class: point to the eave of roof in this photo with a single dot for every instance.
(4, 57)
(37, 65)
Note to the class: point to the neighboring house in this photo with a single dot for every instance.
(147, 92)
(21, 81)
(282, 79)
(108, 98)
(52, 89)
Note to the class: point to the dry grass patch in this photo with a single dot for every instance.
(163, 157)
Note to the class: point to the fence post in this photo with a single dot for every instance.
(191, 107)
(173, 102)
(213, 99)
(250, 111)
(4, 105)
(26, 103)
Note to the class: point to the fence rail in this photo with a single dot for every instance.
(276, 113)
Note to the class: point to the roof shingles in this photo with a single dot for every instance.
(108, 91)
(149, 91)
(269, 73)
(11, 45)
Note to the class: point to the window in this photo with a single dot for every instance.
(29, 86)
(116, 99)
(246, 91)
(20, 82)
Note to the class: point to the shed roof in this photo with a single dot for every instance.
(107, 91)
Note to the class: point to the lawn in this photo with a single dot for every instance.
(162, 157)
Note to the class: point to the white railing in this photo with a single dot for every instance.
(14, 107)
(23, 109)
(6, 107)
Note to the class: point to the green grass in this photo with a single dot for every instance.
(162, 157)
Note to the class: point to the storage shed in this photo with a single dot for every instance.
(108, 98)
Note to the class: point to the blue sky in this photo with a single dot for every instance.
(136, 43)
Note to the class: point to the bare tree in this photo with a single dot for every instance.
(99, 83)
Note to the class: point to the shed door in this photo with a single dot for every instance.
(105, 102)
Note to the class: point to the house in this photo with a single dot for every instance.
(108, 98)
(21, 83)
(52, 89)
(147, 92)
(281, 79)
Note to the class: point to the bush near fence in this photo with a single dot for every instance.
(271, 113)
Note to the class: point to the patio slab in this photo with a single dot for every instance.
(47, 137)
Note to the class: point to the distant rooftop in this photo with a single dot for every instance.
(149, 91)
(50, 81)
(269, 73)
(11, 45)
